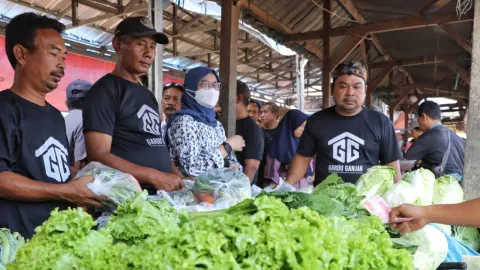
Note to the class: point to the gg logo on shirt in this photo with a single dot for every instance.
(55, 159)
(151, 120)
(345, 147)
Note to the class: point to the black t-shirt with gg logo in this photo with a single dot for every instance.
(348, 146)
(33, 143)
(130, 114)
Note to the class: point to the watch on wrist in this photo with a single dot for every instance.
(228, 147)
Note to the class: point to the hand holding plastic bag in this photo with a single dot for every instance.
(117, 186)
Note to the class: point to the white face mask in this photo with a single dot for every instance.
(206, 97)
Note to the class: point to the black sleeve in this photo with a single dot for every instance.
(417, 151)
(254, 143)
(8, 137)
(308, 144)
(100, 109)
(389, 148)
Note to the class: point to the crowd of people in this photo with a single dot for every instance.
(117, 122)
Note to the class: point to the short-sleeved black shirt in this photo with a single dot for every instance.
(254, 141)
(33, 143)
(129, 113)
(431, 146)
(348, 145)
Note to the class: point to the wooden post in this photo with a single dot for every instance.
(174, 30)
(391, 111)
(228, 65)
(327, 44)
(471, 170)
(155, 74)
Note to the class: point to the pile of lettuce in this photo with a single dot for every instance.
(145, 234)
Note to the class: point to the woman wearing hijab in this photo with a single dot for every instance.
(284, 146)
(196, 139)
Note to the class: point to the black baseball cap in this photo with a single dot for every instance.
(139, 27)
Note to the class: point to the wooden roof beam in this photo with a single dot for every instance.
(435, 6)
(388, 26)
(345, 50)
(276, 24)
(412, 61)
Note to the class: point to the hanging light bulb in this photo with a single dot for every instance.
(413, 98)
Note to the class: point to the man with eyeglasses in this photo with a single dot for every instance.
(121, 118)
(171, 102)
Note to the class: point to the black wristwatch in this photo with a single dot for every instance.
(228, 147)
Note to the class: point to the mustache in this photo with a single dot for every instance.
(170, 108)
(59, 73)
(350, 98)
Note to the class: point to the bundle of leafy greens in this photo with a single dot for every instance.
(346, 193)
(9, 243)
(117, 186)
(273, 237)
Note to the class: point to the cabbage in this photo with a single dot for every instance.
(447, 191)
(400, 193)
(376, 181)
(423, 182)
(446, 228)
(432, 247)
(467, 235)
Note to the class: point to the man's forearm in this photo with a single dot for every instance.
(396, 166)
(251, 168)
(16, 187)
(142, 174)
(461, 214)
(297, 168)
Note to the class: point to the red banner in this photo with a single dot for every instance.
(78, 67)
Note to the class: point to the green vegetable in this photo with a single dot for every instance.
(432, 247)
(376, 181)
(9, 243)
(269, 236)
(467, 235)
(111, 183)
(400, 193)
(346, 193)
(447, 190)
(423, 182)
(138, 218)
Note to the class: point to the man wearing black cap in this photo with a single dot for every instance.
(121, 118)
(76, 92)
(347, 138)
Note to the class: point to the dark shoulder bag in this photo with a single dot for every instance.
(439, 170)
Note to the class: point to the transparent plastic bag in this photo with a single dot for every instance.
(113, 184)
(214, 190)
(224, 182)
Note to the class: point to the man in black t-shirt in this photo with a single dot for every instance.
(269, 118)
(252, 153)
(347, 138)
(431, 146)
(121, 119)
(35, 176)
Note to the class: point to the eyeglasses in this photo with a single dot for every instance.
(208, 84)
(172, 84)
